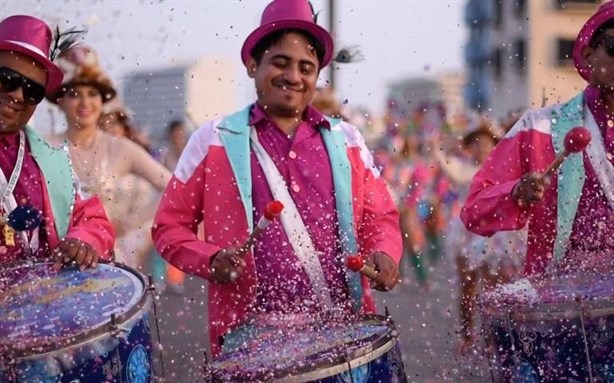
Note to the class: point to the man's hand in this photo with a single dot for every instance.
(227, 265)
(530, 190)
(388, 271)
(74, 250)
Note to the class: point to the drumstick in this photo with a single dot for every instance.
(357, 264)
(271, 212)
(576, 140)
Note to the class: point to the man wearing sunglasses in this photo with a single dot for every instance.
(570, 215)
(41, 209)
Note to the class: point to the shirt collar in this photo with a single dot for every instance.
(592, 95)
(11, 140)
(311, 116)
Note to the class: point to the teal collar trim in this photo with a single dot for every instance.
(571, 174)
(342, 180)
(55, 166)
(234, 133)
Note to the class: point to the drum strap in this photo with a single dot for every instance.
(293, 224)
(604, 170)
(8, 201)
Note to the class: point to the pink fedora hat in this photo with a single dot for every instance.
(31, 37)
(284, 14)
(603, 14)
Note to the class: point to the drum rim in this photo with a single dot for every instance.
(386, 340)
(586, 309)
(86, 335)
(342, 365)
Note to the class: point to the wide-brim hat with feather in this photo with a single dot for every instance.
(288, 14)
(81, 66)
(485, 128)
(31, 37)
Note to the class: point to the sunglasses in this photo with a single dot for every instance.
(608, 44)
(33, 92)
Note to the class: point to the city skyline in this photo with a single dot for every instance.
(399, 39)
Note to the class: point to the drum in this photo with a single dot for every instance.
(74, 326)
(297, 348)
(551, 330)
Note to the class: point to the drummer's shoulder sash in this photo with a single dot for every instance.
(234, 133)
(571, 174)
(57, 171)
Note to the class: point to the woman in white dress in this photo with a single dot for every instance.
(106, 164)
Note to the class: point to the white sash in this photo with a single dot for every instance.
(9, 203)
(293, 224)
(604, 170)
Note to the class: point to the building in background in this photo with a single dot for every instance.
(424, 102)
(519, 52)
(193, 92)
(478, 19)
(406, 96)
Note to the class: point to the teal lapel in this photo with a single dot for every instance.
(57, 171)
(234, 133)
(571, 175)
(342, 181)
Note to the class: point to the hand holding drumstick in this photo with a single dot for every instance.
(272, 211)
(227, 264)
(532, 186)
(384, 276)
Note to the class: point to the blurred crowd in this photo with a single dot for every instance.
(428, 159)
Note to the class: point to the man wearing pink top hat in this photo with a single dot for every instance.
(570, 214)
(42, 212)
(280, 148)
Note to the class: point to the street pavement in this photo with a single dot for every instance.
(425, 318)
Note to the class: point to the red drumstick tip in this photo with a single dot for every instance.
(355, 263)
(273, 210)
(577, 139)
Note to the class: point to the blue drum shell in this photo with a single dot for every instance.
(117, 350)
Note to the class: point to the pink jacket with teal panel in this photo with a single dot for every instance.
(212, 185)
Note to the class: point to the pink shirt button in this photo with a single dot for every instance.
(296, 188)
(292, 154)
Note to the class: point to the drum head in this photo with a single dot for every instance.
(42, 309)
(266, 351)
(551, 296)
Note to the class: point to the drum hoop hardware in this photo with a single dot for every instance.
(489, 350)
(151, 288)
(511, 332)
(344, 364)
(87, 335)
(586, 351)
(116, 330)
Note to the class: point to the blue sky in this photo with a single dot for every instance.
(399, 38)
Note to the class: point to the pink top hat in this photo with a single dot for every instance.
(284, 14)
(603, 14)
(31, 37)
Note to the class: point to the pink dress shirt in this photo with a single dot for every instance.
(302, 160)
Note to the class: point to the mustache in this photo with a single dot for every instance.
(10, 101)
(289, 85)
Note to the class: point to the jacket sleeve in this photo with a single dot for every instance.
(89, 223)
(175, 229)
(489, 206)
(378, 229)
